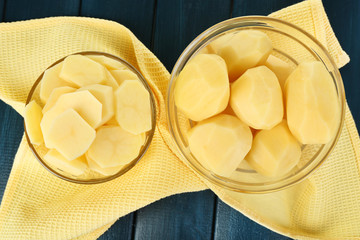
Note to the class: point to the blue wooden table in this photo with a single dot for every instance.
(166, 27)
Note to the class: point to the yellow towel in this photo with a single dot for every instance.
(37, 205)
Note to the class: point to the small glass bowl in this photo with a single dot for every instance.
(90, 177)
(292, 45)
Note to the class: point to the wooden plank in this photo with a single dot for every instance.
(185, 216)
(179, 22)
(2, 4)
(344, 17)
(16, 10)
(11, 131)
(137, 15)
(259, 7)
(232, 225)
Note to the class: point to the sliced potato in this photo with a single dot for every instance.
(133, 107)
(104, 171)
(312, 105)
(109, 63)
(202, 88)
(86, 104)
(114, 146)
(112, 122)
(122, 75)
(281, 69)
(75, 167)
(256, 98)
(105, 96)
(274, 152)
(220, 143)
(32, 117)
(110, 81)
(70, 134)
(89, 108)
(244, 50)
(82, 71)
(51, 80)
(54, 96)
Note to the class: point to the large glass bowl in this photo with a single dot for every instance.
(90, 177)
(291, 44)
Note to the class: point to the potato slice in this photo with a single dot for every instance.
(244, 50)
(82, 71)
(89, 108)
(109, 63)
(312, 105)
(281, 69)
(54, 96)
(220, 143)
(70, 134)
(32, 117)
(104, 171)
(202, 88)
(274, 152)
(110, 81)
(51, 80)
(133, 107)
(122, 75)
(256, 98)
(105, 96)
(114, 146)
(112, 122)
(75, 167)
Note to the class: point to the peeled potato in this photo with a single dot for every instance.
(75, 167)
(82, 71)
(51, 80)
(202, 88)
(244, 50)
(109, 63)
(256, 98)
(54, 96)
(89, 108)
(114, 146)
(122, 75)
(312, 105)
(133, 107)
(105, 96)
(32, 117)
(104, 171)
(281, 69)
(70, 134)
(220, 143)
(218, 43)
(274, 152)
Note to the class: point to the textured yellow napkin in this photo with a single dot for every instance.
(37, 205)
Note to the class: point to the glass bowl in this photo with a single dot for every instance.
(292, 45)
(90, 177)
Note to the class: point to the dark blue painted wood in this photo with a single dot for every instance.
(2, 2)
(11, 131)
(232, 225)
(178, 22)
(259, 7)
(137, 15)
(16, 10)
(344, 17)
(185, 216)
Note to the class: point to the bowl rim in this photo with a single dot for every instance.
(144, 147)
(204, 37)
